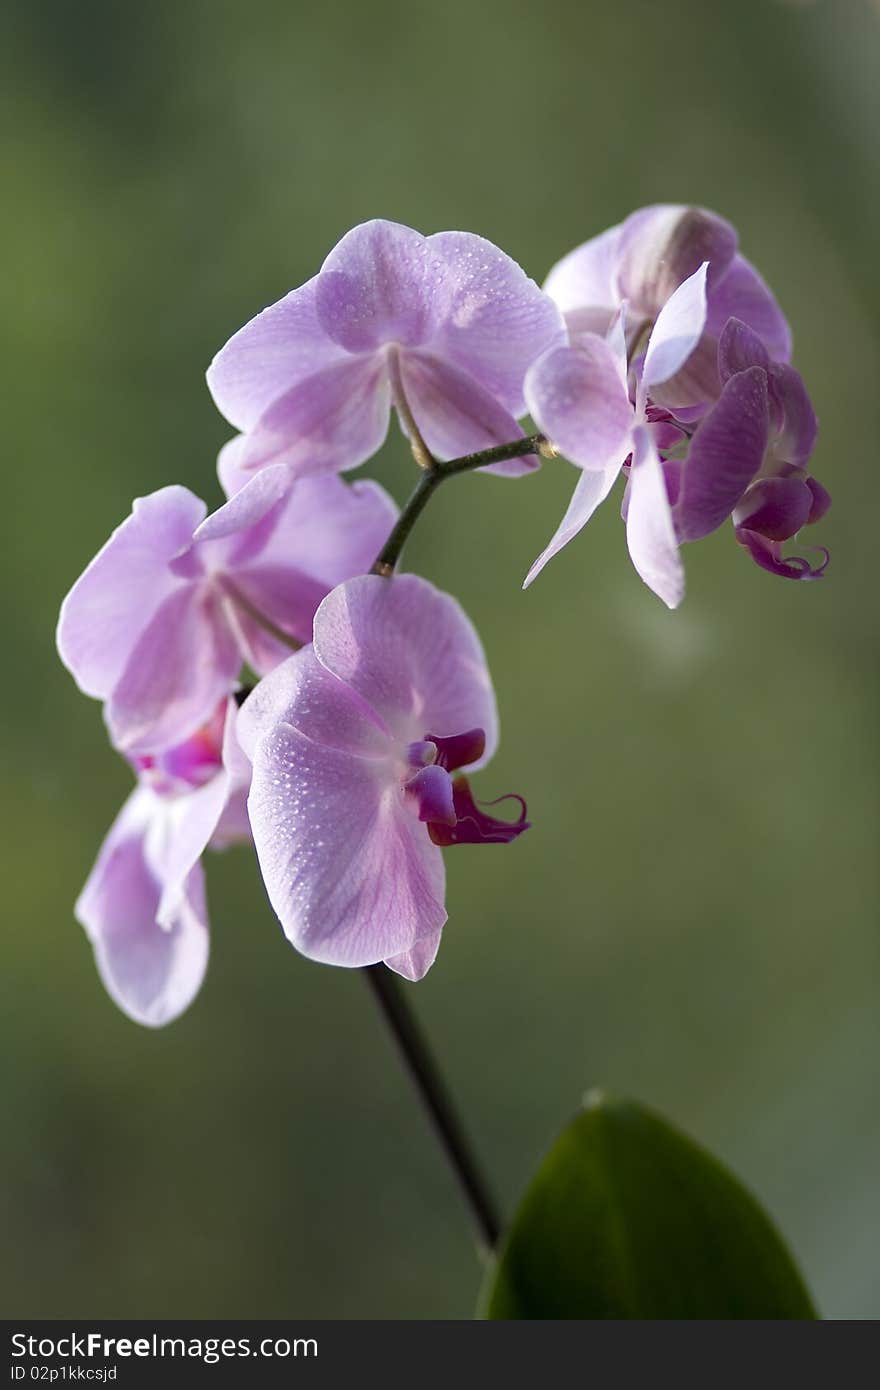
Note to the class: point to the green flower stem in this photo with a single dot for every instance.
(438, 473)
(417, 1057)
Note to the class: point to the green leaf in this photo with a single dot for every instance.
(628, 1218)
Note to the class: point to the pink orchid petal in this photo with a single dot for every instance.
(286, 548)
(497, 320)
(151, 972)
(114, 600)
(725, 454)
(329, 528)
(254, 498)
(382, 283)
(615, 337)
(592, 489)
(456, 415)
(586, 277)
(282, 346)
(286, 596)
(332, 421)
(234, 826)
(739, 348)
(177, 839)
(359, 881)
(693, 389)
(412, 653)
(415, 964)
(302, 693)
(742, 294)
(662, 246)
(184, 662)
(796, 438)
(576, 396)
(650, 533)
(230, 470)
(677, 330)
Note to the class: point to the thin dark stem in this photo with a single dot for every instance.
(434, 476)
(434, 1095)
(386, 989)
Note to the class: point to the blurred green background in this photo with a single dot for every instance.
(693, 918)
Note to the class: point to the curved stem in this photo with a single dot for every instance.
(435, 475)
(437, 1101)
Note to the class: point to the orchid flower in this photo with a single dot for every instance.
(442, 327)
(143, 905)
(641, 263)
(748, 459)
(163, 618)
(580, 397)
(356, 743)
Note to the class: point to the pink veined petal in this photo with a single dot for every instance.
(233, 827)
(274, 352)
(287, 597)
(585, 278)
(332, 421)
(591, 491)
(725, 454)
(677, 330)
(231, 473)
(321, 533)
(177, 839)
(577, 397)
(615, 337)
(739, 348)
(328, 528)
(114, 600)
(415, 964)
(650, 534)
(799, 427)
(350, 872)
(456, 415)
(382, 283)
(183, 664)
(662, 246)
(690, 391)
(302, 693)
(412, 653)
(151, 972)
(497, 320)
(253, 498)
(742, 294)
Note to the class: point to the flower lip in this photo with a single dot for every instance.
(459, 750)
(472, 825)
(188, 765)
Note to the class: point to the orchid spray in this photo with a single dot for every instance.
(271, 678)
